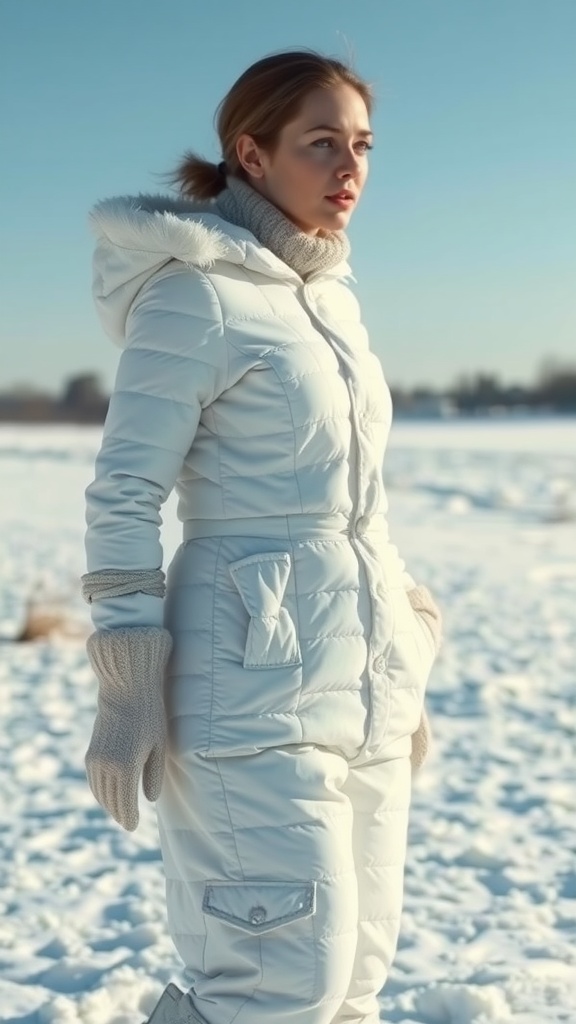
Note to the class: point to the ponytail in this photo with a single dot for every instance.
(198, 178)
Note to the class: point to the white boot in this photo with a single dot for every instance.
(174, 1007)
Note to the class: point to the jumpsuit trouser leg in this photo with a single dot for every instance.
(379, 792)
(284, 882)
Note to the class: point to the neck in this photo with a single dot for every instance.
(243, 205)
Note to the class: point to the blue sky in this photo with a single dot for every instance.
(464, 245)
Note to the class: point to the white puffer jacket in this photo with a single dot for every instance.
(256, 395)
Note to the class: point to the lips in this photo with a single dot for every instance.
(344, 199)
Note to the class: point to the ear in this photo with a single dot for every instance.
(250, 156)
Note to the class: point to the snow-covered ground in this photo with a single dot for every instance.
(485, 514)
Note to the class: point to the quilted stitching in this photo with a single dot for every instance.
(252, 395)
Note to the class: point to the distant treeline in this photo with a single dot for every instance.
(554, 391)
(82, 401)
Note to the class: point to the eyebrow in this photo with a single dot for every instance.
(330, 128)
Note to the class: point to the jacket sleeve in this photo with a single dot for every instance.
(173, 365)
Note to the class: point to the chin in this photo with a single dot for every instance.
(318, 217)
(337, 222)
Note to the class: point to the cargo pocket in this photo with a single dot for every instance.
(260, 936)
(261, 580)
(258, 907)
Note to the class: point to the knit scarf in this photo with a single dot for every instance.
(242, 205)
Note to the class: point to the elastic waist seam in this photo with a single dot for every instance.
(293, 526)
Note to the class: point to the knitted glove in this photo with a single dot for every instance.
(424, 604)
(421, 740)
(129, 735)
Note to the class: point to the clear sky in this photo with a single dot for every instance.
(464, 245)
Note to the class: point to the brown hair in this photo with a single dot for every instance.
(266, 97)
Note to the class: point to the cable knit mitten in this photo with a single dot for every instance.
(421, 740)
(422, 602)
(129, 735)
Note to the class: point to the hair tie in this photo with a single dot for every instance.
(222, 169)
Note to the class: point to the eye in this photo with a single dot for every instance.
(321, 142)
(364, 146)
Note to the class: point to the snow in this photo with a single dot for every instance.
(484, 512)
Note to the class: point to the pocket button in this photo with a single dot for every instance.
(379, 663)
(258, 915)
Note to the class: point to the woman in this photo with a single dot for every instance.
(273, 700)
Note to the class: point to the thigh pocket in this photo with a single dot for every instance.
(240, 917)
(261, 581)
(258, 907)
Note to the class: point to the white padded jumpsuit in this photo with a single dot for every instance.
(299, 667)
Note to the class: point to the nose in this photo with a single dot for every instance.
(350, 166)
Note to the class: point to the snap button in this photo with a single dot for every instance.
(362, 524)
(379, 663)
(258, 915)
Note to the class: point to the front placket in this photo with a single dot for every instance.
(382, 615)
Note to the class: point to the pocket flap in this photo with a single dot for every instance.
(259, 906)
(261, 580)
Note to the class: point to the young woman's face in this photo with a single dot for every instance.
(318, 170)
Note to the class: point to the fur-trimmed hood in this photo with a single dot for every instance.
(138, 235)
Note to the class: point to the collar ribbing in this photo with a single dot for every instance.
(242, 205)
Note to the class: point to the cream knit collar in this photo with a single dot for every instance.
(242, 205)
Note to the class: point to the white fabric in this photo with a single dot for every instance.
(299, 667)
(285, 881)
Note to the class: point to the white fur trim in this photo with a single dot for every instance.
(164, 225)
